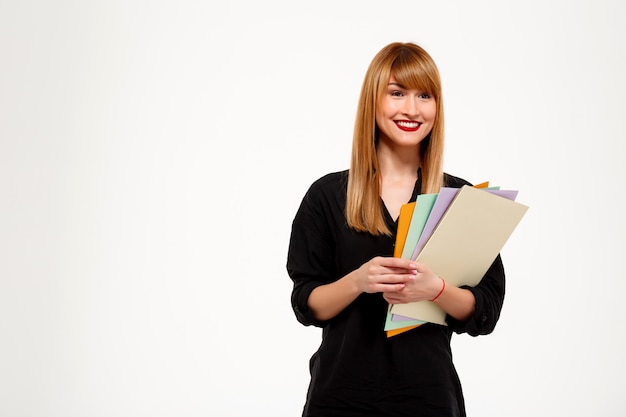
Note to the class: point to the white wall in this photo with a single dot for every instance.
(153, 154)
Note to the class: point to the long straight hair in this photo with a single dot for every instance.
(414, 68)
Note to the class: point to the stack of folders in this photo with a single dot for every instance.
(457, 233)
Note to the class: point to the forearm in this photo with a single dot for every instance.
(379, 274)
(326, 301)
(457, 302)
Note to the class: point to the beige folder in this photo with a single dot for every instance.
(464, 244)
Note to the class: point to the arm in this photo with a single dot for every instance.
(458, 303)
(489, 298)
(472, 310)
(381, 274)
(326, 301)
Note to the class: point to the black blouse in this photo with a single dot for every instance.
(357, 370)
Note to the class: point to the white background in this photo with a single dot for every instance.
(153, 155)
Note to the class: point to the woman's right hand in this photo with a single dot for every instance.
(385, 274)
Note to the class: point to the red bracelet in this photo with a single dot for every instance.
(442, 288)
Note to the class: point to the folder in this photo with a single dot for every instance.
(441, 204)
(394, 327)
(404, 221)
(421, 212)
(415, 224)
(464, 244)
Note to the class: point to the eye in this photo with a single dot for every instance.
(396, 93)
(425, 96)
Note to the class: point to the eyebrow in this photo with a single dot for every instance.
(397, 85)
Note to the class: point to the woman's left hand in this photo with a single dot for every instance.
(425, 285)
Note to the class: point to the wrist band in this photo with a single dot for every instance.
(443, 287)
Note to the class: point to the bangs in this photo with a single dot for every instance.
(415, 73)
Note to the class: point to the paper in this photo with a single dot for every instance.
(421, 210)
(444, 198)
(394, 322)
(465, 242)
(433, 217)
(404, 221)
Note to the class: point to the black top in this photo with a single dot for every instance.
(357, 370)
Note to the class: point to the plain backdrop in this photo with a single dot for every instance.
(153, 155)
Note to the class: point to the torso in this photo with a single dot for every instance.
(357, 370)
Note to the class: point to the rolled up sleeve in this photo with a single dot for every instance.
(489, 296)
(309, 259)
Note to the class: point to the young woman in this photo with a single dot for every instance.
(342, 266)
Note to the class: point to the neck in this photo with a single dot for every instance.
(398, 163)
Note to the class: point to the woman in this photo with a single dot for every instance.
(342, 266)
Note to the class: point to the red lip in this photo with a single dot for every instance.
(406, 128)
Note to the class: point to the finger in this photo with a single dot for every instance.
(389, 299)
(395, 279)
(393, 290)
(393, 262)
(396, 274)
(421, 268)
(393, 297)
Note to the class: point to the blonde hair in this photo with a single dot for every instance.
(414, 68)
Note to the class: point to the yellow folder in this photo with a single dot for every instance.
(404, 220)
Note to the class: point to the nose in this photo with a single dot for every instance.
(411, 107)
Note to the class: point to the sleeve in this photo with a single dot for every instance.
(489, 295)
(310, 256)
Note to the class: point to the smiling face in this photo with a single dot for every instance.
(404, 116)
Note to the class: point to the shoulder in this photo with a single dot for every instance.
(334, 183)
(325, 199)
(325, 196)
(455, 182)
